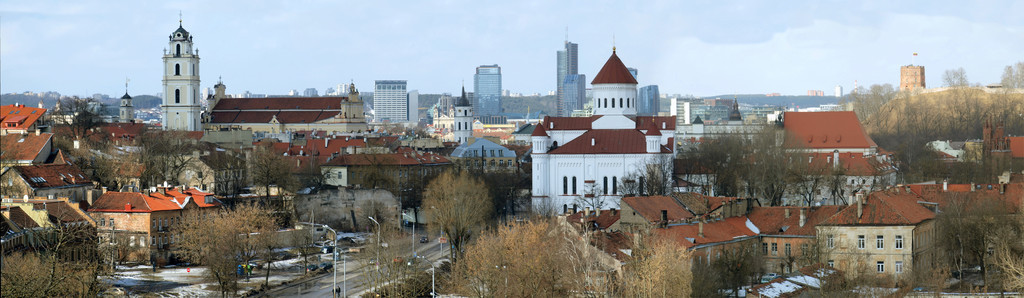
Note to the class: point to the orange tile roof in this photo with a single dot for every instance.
(773, 220)
(1016, 146)
(884, 208)
(700, 204)
(20, 218)
(825, 130)
(24, 147)
(390, 159)
(19, 117)
(138, 202)
(614, 72)
(718, 231)
(853, 164)
(650, 208)
(1011, 198)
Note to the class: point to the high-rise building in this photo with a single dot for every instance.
(634, 72)
(839, 90)
(310, 92)
(911, 77)
(568, 63)
(648, 101)
(487, 88)
(575, 91)
(390, 101)
(181, 106)
(414, 105)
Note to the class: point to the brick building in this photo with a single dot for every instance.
(139, 225)
(912, 78)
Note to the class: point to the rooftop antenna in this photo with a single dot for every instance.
(126, 80)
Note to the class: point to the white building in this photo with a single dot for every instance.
(181, 107)
(390, 101)
(463, 122)
(585, 161)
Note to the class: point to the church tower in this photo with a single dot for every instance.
(127, 114)
(181, 106)
(463, 119)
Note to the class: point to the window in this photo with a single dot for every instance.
(832, 263)
(131, 241)
(789, 250)
(565, 185)
(899, 266)
(177, 69)
(881, 266)
(620, 102)
(899, 242)
(879, 242)
(573, 184)
(764, 247)
(177, 96)
(613, 102)
(177, 51)
(615, 185)
(803, 248)
(775, 249)
(860, 241)
(605, 185)
(830, 241)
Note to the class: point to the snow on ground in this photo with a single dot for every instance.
(777, 289)
(189, 281)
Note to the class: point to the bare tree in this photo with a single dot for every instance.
(240, 236)
(659, 268)
(459, 204)
(79, 115)
(955, 78)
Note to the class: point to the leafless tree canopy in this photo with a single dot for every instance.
(459, 205)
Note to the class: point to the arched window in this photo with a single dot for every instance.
(605, 185)
(613, 102)
(642, 186)
(615, 185)
(177, 69)
(177, 95)
(177, 51)
(565, 185)
(573, 184)
(605, 102)
(193, 69)
(627, 102)
(620, 102)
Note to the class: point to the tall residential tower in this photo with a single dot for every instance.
(568, 63)
(487, 88)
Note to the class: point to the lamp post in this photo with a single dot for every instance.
(334, 262)
(378, 238)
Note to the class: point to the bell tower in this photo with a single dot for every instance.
(181, 106)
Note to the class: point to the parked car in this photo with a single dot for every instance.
(423, 239)
(769, 277)
(326, 265)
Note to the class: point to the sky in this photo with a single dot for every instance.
(701, 48)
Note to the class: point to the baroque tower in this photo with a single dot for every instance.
(463, 119)
(127, 114)
(181, 106)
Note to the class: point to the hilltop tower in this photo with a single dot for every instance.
(911, 78)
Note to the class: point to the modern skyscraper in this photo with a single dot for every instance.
(648, 101)
(181, 106)
(390, 101)
(310, 92)
(414, 106)
(839, 90)
(487, 89)
(575, 87)
(634, 72)
(568, 63)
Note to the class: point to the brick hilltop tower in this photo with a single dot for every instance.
(911, 77)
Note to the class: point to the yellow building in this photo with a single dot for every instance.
(281, 114)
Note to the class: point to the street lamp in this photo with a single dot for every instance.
(378, 238)
(334, 263)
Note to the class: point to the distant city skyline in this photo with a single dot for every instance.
(87, 47)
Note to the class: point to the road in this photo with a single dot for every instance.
(320, 286)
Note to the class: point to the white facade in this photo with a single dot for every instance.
(463, 122)
(390, 101)
(584, 162)
(181, 102)
(127, 110)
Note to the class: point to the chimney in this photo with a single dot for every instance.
(128, 207)
(613, 211)
(700, 229)
(945, 185)
(586, 211)
(803, 217)
(860, 204)
(597, 211)
(787, 212)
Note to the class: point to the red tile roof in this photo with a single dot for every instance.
(19, 117)
(669, 123)
(853, 164)
(773, 220)
(568, 123)
(318, 146)
(61, 212)
(24, 147)
(601, 222)
(138, 202)
(825, 130)
(607, 141)
(613, 243)
(1008, 197)
(20, 218)
(614, 72)
(717, 231)
(539, 130)
(884, 208)
(53, 175)
(650, 208)
(700, 204)
(390, 159)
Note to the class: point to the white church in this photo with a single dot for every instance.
(585, 159)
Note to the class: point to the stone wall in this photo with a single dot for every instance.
(336, 207)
